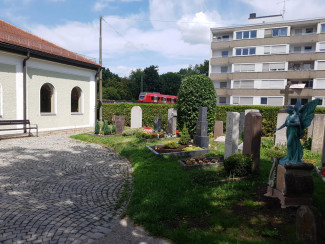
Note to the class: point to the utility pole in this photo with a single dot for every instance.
(101, 72)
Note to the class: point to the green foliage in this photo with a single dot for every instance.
(185, 137)
(170, 83)
(278, 151)
(105, 128)
(113, 129)
(97, 128)
(307, 143)
(238, 164)
(192, 148)
(131, 132)
(171, 145)
(151, 79)
(149, 111)
(196, 91)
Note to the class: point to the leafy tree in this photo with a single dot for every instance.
(170, 83)
(196, 91)
(151, 79)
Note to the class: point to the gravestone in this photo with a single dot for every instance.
(136, 117)
(232, 133)
(252, 138)
(157, 123)
(172, 121)
(218, 129)
(201, 138)
(318, 133)
(310, 129)
(323, 152)
(280, 135)
(119, 122)
(242, 119)
(309, 227)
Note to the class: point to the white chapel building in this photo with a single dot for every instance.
(44, 83)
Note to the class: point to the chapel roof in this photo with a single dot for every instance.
(16, 37)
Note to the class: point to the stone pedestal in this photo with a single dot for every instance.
(218, 129)
(252, 138)
(294, 184)
(201, 138)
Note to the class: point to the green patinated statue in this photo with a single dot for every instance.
(296, 122)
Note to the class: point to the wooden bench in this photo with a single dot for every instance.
(26, 124)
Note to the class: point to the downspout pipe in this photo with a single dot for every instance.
(96, 84)
(25, 88)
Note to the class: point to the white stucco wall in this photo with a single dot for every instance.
(63, 77)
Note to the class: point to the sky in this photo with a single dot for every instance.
(170, 34)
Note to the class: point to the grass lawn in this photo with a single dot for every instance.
(195, 207)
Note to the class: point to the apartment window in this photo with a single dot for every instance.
(47, 98)
(321, 65)
(243, 100)
(279, 31)
(308, 48)
(293, 101)
(309, 30)
(245, 51)
(298, 31)
(244, 68)
(223, 84)
(322, 46)
(246, 34)
(224, 53)
(272, 101)
(276, 66)
(272, 84)
(306, 67)
(263, 100)
(277, 49)
(319, 84)
(297, 49)
(322, 28)
(243, 84)
(222, 100)
(224, 69)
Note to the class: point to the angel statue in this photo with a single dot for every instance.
(296, 122)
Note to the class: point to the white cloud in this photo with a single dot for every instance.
(294, 9)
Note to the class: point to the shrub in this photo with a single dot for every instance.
(131, 131)
(238, 164)
(105, 128)
(171, 145)
(146, 135)
(196, 91)
(113, 129)
(278, 151)
(97, 128)
(307, 143)
(192, 148)
(185, 137)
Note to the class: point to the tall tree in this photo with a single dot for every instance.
(151, 79)
(170, 83)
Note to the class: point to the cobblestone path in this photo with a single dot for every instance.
(57, 190)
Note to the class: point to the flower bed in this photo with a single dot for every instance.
(161, 150)
(194, 163)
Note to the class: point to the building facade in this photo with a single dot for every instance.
(44, 83)
(252, 64)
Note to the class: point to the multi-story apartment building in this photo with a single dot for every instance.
(252, 64)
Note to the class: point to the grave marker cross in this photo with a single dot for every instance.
(286, 93)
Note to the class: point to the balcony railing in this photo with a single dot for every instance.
(303, 34)
(215, 39)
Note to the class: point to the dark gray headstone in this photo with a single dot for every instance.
(201, 138)
(157, 123)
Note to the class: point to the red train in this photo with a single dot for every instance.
(151, 97)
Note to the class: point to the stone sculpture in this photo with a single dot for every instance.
(296, 122)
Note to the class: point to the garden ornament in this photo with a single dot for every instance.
(298, 119)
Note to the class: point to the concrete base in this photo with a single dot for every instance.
(288, 201)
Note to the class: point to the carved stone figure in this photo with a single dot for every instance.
(296, 122)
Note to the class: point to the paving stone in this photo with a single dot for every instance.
(54, 189)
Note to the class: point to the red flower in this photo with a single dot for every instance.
(323, 172)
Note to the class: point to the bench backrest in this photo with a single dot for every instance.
(14, 122)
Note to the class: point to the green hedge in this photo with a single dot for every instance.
(149, 111)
